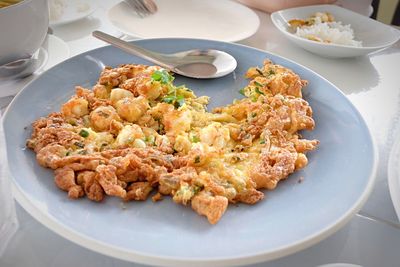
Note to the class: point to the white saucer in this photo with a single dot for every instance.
(74, 10)
(53, 51)
(221, 20)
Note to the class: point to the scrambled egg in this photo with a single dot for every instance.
(136, 132)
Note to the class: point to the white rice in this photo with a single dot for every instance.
(56, 8)
(330, 32)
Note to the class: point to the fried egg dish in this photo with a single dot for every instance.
(136, 134)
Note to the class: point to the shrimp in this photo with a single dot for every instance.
(177, 121)
(101, 91)
(131, 109)
(76, 107)
(102, 117)
(118, 94)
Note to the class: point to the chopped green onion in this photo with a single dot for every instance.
(82, 152)
(258, 84)
(195, 139)
(259, 92)
(169, 99)
(260, 71)
(84, 133)
(197, 189)
(162, 76)
(79, 144)
(179, 101)
(241, 91)
(262, 141)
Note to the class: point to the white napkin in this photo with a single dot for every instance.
(8, 218)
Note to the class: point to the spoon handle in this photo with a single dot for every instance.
(132, 49)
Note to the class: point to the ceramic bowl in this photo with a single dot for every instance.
(373, 34)
(23, 27)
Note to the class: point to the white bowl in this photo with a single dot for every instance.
(23, 28)
(373, 34)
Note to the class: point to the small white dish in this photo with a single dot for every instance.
(73, 10)
(222, 20)
(373, 34)
(394, 176)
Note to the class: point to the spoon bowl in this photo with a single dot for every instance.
(19, 69)
(198, 64)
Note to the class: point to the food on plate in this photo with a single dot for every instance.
(322, 27)
(136, 134)
(56, 9)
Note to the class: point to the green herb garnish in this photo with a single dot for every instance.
(162, 76)
(258, 91)
(84, 133)
(262, 141)
(79, 144)
(172, 97)
(260, 71)
(176, 100)
(82, 152)
(241, 91)
(197, 189)
(179, 101)
(258, 84)
(169, 99)
(195, 139)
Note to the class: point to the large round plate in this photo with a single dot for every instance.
(336, 183)
(221, 20)
(394, 176)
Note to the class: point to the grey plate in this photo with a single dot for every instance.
(337, 181)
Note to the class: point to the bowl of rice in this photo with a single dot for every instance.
(333, 31)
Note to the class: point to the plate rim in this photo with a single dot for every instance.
(240, 38)
(393, 176)
(145, 258)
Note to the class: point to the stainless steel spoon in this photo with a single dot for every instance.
(199, 64)
(19, 69)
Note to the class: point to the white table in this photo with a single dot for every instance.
(371, 238)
